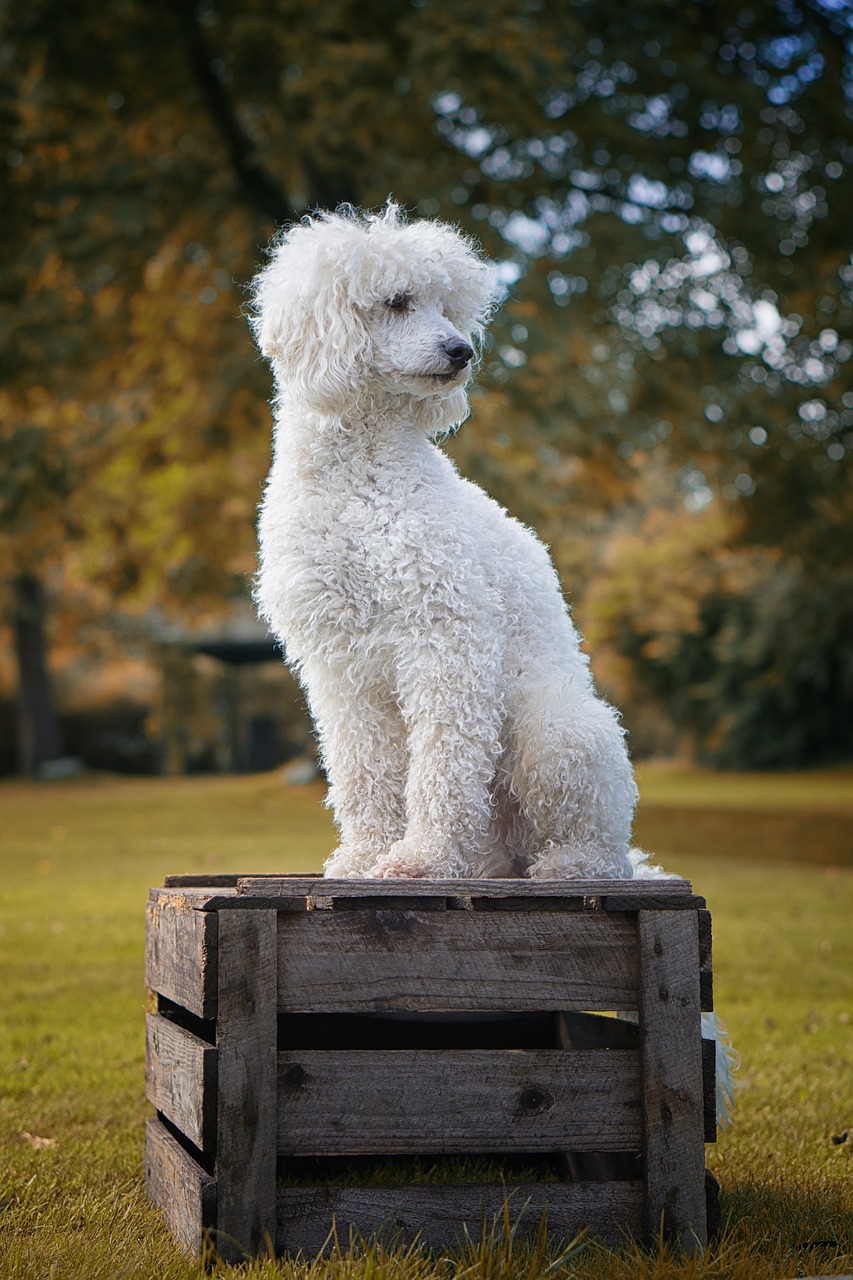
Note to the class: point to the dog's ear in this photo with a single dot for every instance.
(304, 322)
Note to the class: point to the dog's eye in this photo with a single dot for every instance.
(398, 302)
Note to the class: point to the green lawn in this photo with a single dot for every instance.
(77, 860)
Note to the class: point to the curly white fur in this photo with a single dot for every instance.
(456, 714)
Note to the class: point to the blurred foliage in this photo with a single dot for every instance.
(668, 389)
(739, 647)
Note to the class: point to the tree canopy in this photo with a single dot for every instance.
(667, 189)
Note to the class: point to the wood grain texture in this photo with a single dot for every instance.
(613, 900)
(382, 961)
(180, 952)
(201, 880)
(706, 973)
(180, 1079)
(709, 1089)
(440, 1214)
(671, 1049)
(212, 898)
(246, 1113)
(598, 894)
(184, 1192)
(358, 1102)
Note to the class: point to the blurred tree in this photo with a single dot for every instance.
(737, 645)
(666, 185)
(130, 389)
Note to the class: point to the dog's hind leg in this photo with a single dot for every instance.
(571, 777)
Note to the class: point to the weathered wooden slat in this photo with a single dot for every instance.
(672, 892)
(246, 1114)
(613, 900)
(215, 893)
(657, 901)
(709, 1089)
(671, 1049)
(399, 902)
(180, 952)
(200, 880)
(706, 972)
(439, 1215)
(382, 961)
(390, 1101)
(180, 1079)
(214, 897)
(184, 1192)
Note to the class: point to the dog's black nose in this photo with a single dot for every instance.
(458, 350)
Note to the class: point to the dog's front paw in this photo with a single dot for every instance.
(413, 859)
(577, 862)
(349, 862)
(406, 859)
(396, 868)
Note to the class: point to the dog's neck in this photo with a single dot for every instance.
(381, 419)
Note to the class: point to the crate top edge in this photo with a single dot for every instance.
(220, 890)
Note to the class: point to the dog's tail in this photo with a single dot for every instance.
(642, 869)
(727, 1061)
(726, 1057)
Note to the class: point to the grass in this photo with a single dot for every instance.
(798, 817)
(77, 860)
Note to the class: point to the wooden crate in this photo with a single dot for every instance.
(303, 1022)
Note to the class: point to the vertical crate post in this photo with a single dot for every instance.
(246, 1110)
(672, 1094)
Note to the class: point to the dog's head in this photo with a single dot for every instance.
(350, 299)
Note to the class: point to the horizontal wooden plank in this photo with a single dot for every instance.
(613, 900)
(300, 892)
(385, 961)
(181, 952)
(440, 1215)
(203, 897)
(180, 1079)
(399, 902)
(353, 1102)
(200, 880)
(184, 1192)
(637, 892)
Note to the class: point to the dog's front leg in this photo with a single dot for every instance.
(363, 748)
(450, 695)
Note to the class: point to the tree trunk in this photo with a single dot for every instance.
(39, 735)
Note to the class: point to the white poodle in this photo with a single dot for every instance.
(456, 714)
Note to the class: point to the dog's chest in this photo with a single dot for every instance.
(347, 560)
(362, 554)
